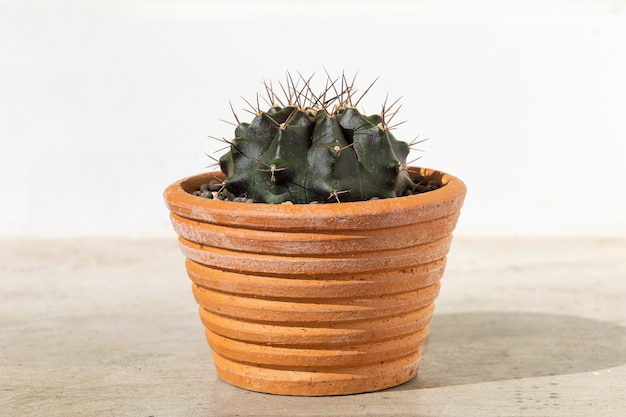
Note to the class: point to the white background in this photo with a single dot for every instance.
(104, 103)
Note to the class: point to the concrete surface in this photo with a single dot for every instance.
(98, 327)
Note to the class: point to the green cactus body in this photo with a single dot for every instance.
(305, 154)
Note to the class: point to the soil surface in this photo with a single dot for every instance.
(214, 190)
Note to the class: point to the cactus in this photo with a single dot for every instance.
(315, 149)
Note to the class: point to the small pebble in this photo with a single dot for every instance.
(433, 185)
(216, 185)
(228, 196)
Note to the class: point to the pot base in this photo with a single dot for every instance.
(354, 380)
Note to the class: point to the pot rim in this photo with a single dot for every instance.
(388, 212)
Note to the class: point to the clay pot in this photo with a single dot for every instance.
(317, 299)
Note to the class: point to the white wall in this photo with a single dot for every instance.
(104, 103)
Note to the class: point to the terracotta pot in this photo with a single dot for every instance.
(321, 299)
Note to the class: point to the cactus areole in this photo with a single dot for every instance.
(315, 148)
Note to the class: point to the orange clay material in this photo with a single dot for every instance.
(316, 299)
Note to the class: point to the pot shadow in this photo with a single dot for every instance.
(481, 347)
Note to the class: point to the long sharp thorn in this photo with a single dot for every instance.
(216, 162)
(395, 112)
(331, 84)
(416, 141)
(345, 90)
(224, 140)
(282, 126)
(366, 91)
(335, 194)
(396, 125)
(383, 113)
(271, 169)
(269, 103)
(351, 90)
(234, 114)
(414, 160)
(254, 111)
(285, 93)
(293, 89)
(268, 91)
(271, 119)
(251, 112)
(313, 100)
(228, 121)
(395, 102)
(275, 96)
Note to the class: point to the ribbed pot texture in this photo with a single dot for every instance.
(316, 299)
